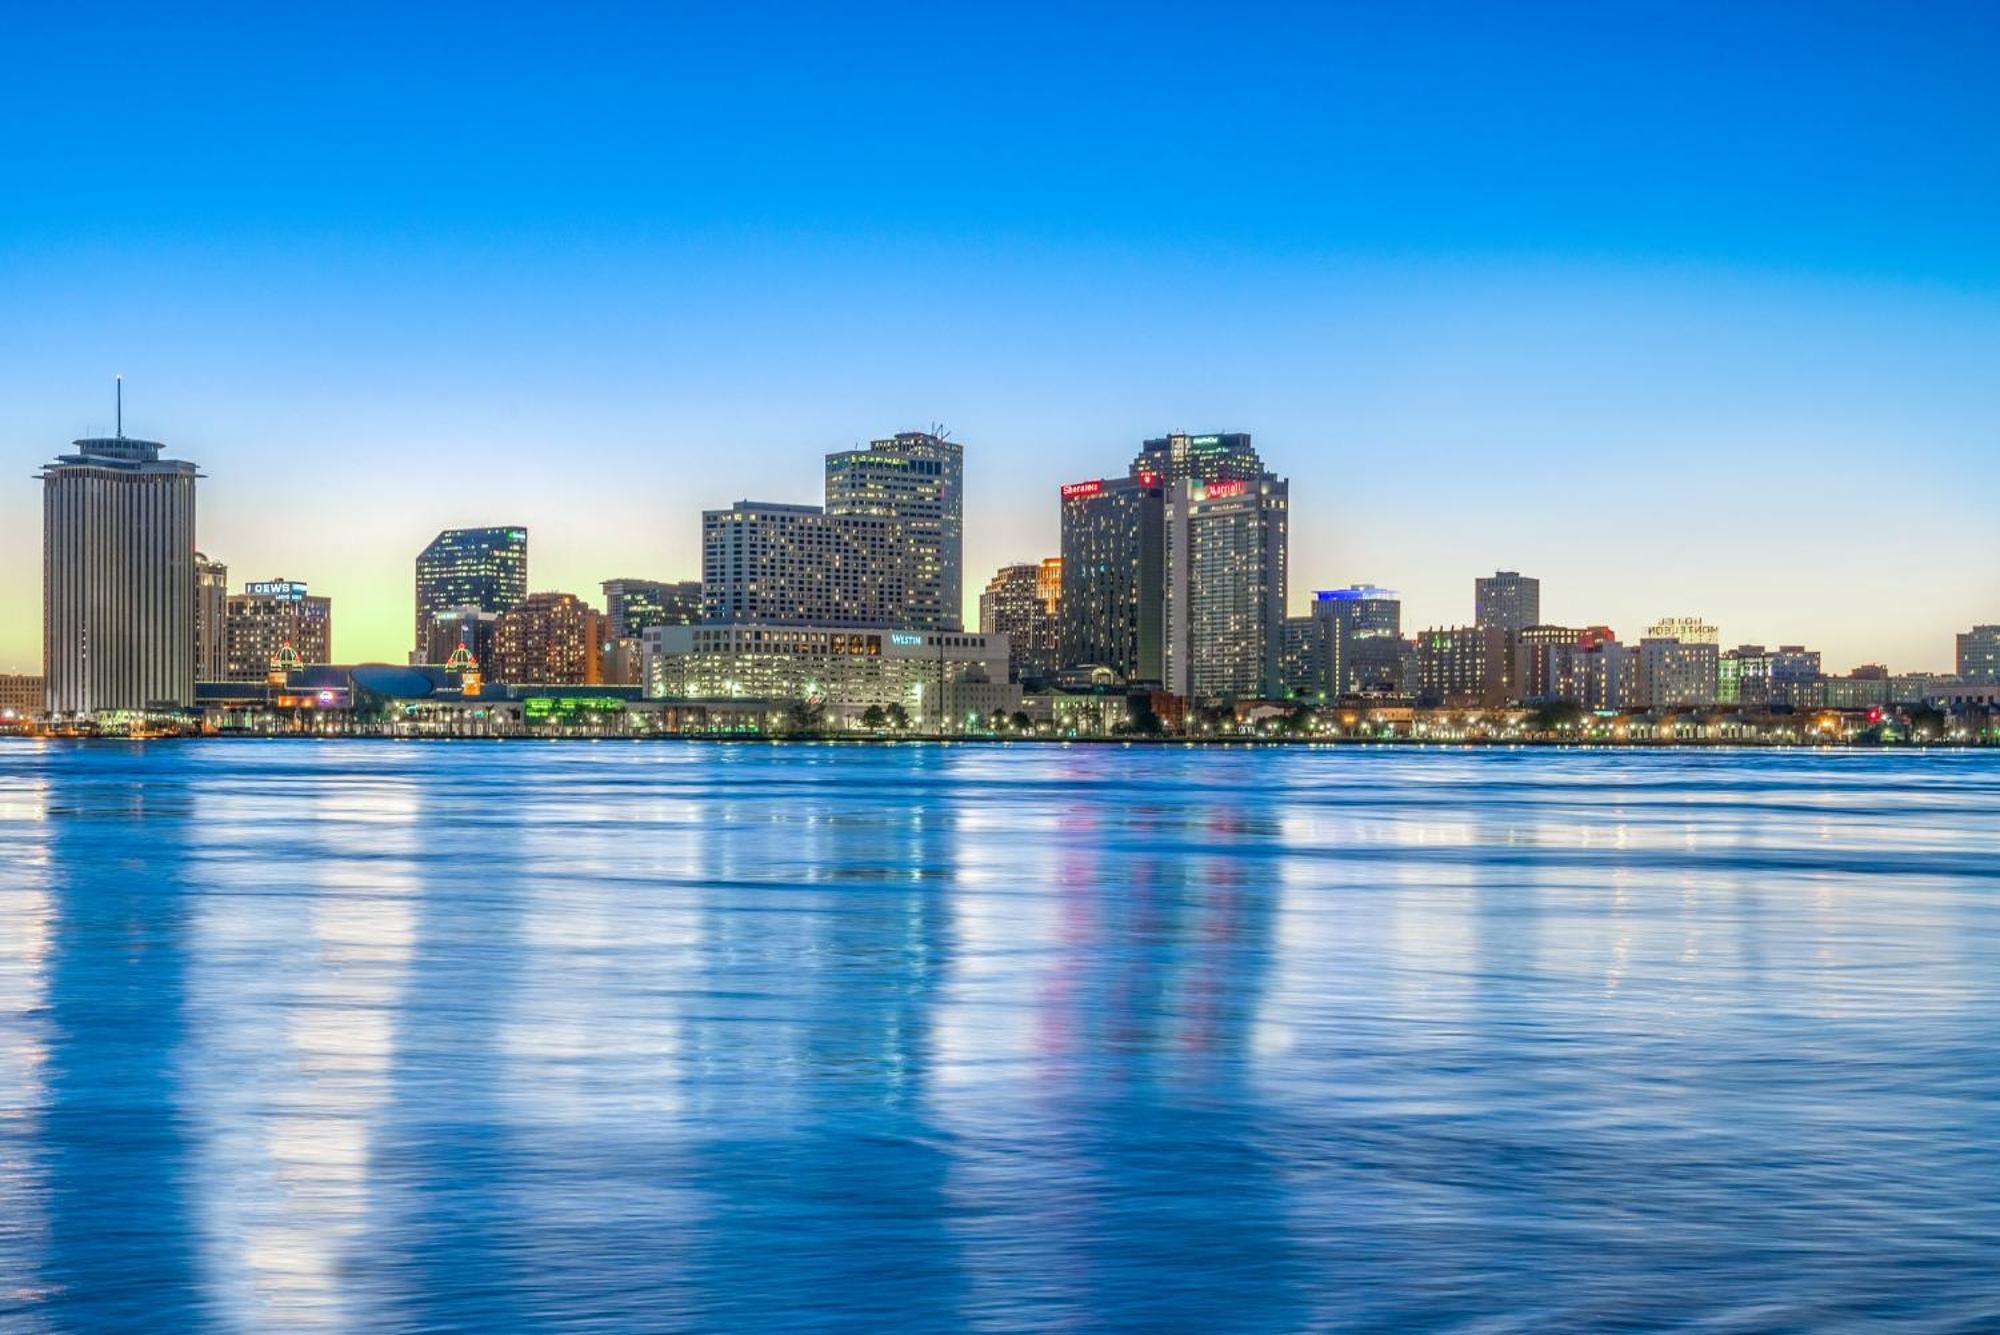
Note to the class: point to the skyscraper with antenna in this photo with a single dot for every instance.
(118, 576)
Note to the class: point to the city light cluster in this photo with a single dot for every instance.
(1165, 613)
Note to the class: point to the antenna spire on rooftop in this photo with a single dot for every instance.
(119, 381)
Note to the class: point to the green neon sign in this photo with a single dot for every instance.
(542, 708)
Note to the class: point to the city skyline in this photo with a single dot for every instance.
(1300, 602)
(1642, 344)
(933, 668)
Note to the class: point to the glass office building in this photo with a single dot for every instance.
(485, 568)
(1113, 607)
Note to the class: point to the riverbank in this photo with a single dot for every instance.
(939, 739)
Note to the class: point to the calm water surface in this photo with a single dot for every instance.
(659, 1036)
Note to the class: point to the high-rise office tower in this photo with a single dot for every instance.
(485, 568)
(1979, 655)
(917, 479)
(797, 565)
(631, 606)
(1360, 646)
(211, 608)
(549, 638)
(118, 583)
(1508, 600)
(1014, 605)
(1225, 583)
(1114, 575)
(268, 618)
(1218, 457)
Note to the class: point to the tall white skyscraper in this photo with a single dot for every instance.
(118, 582)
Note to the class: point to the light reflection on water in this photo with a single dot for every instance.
(378, 1036)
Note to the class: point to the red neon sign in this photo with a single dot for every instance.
(1072, 490)
(1218, 490)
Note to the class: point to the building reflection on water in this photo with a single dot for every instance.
(117, 1244)
(1099, 1050)
(27, 931)
(298, 1035)
(300, 947)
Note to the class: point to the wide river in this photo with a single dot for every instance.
(638, 1036)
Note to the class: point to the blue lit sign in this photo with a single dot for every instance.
(903, 637)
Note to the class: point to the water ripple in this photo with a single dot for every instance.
(666, 1036)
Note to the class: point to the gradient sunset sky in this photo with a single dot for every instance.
(1687, 309)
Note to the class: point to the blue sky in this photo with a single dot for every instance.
(1686, 309)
